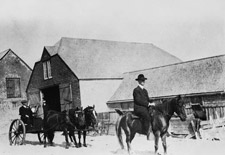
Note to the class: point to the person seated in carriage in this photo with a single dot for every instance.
(142, 104)
(26, 113)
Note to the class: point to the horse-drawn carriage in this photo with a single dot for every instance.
(19, 128)
(68, 121)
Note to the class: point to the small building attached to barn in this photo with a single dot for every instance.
(14, 77)
(82, 72)
(199, 81)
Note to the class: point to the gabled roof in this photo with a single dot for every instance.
(193, 77)
(4, 53)
(90, 59)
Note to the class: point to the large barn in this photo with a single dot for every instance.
(87, 71)
(199, 81)
(14, 77)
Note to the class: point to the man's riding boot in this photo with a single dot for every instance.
(146, 126)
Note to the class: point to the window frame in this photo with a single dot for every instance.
(47, 70)
(13, 95)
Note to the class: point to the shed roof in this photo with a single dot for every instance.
(191, 77)
(89, 58)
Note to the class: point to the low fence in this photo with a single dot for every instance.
(107, 121)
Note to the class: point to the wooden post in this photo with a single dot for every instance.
(194, 129)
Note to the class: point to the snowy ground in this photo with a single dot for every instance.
(107, 145)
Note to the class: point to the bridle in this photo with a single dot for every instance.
(89, 112)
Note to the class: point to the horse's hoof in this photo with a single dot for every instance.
(79, 145)
(44, 146)
(85, 145)
(76, 145)
(132, 152)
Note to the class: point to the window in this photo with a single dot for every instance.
(47, 70)
(13, 87)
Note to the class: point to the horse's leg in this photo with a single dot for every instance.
(51, 137)
(84, 138)
(79, 137)
(163, 137)
(128, 138)
(157, 135)
(66, 138)
(74, 137)
(132, 136)
(119, 132)
(45, 135)
(71, 134)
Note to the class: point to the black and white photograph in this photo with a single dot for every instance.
(112, 77)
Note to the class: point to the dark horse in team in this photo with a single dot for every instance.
(56, 121)
(82, 120)
(161, 115)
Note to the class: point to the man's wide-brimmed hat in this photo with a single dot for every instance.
(141, 77)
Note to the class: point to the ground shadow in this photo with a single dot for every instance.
(135, 152)
(35, 143)
(32, 142)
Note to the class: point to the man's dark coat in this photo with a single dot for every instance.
(23, 111)
(141, 101)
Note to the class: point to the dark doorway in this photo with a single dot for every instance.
(52, 98)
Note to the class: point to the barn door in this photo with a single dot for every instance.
(35, 100)
(65, 96)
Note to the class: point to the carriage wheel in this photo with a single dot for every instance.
(17, 132)
(41, 137)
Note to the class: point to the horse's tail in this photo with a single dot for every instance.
(119, 127)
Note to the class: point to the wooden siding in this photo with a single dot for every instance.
(211, 103)
(11, 66)
(61, 75)
(214, 106)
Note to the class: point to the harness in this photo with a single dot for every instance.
(58, 123)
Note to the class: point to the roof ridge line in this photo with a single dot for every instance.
(5, 51)
(200, 59)
(110, 41)
(10, 50)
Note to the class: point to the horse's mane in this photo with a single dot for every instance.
(163, 105)
(88, 108)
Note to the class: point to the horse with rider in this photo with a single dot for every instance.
(148, 117)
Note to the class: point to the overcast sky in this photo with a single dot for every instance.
(188, 29)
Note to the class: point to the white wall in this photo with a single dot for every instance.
(97, 92)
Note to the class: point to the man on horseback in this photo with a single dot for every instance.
(142, 103)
